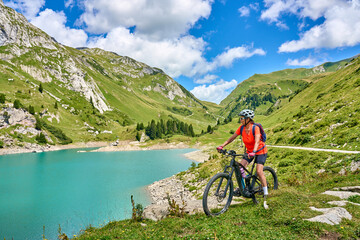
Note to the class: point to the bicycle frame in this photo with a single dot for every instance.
(239, 178)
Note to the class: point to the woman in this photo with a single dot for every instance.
(255, 148)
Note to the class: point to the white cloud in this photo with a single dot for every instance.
(227, 58)
(244, 11)
(29, 8)
(215, 92)
(160, 38)
(207, 79)
(156, 19)
(53, 23)
(175, 57)
(304, 62)
(339, 28)
(165, 54)
(254, 6)
(69, 3)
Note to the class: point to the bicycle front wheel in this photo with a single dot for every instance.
(218, 194)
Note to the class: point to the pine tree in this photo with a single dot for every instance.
(56, 105)
(137, 127)
(209, 129)
(31, 110)
(191, 131)
(152, 134)
(138, 136)
(41, 138)
(38, 125)
(41, 88)
(91, 102)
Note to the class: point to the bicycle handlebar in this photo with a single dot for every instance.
(230, 153)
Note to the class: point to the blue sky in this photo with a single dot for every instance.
(208, 46)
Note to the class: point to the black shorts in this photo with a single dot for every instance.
(259, 159)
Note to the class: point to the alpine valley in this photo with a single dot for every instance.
(81, 95)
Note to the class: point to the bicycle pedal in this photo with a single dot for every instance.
(237, 193)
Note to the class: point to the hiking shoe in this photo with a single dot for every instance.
(237, 192)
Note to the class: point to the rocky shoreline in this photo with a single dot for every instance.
(174, 188)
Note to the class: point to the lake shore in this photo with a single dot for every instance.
(35, 148)
(197, 156)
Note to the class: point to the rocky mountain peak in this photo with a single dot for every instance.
(15, 29)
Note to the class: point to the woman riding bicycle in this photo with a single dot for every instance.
(255, 148)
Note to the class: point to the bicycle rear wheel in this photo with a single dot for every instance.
(218, 194)
(271, 180)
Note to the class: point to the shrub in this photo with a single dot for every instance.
(17, 104)
(286, 163)
(41, 138)
(174, 208)
(2, 98)
(1, 144)
(137, 210)
(57, 132)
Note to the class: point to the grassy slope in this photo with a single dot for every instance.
(124, 94)
(326, 114)
(280, 85)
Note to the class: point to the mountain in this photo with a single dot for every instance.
(325, 114)
(88, 94)
(266, 92)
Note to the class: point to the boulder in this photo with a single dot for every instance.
(331, 216)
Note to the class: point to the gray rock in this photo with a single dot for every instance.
(331, 216)
(156, 212)
(338, 203)
(350, 189)
(341, 194)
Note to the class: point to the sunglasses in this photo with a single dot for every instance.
(242, 118)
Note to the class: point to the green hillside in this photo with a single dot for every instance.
(99, 95)
(325, 114)
(266, 92)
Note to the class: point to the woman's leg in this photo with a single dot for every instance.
(261, 175)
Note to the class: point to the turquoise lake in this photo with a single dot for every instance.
(76, 189)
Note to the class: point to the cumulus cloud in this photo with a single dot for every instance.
(244, 11)
(157, 19)
(159, 35)
(215, 92)
(29, 8)
(53, 23)
(207, 79)
(176, 57)
(303, 62)
(339, 28)
(227, 58)
(181, 56)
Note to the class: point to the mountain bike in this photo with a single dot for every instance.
(219, 191)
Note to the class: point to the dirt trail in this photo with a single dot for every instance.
(317, 149)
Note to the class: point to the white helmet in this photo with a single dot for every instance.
(247, 113)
